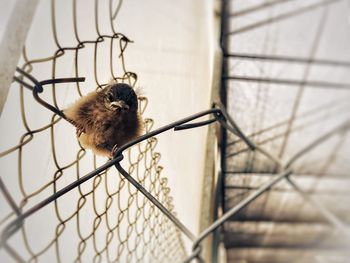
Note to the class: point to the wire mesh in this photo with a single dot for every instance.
(107, 219)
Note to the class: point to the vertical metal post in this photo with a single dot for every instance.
(223, 91)
(12, 43)
(224, 42)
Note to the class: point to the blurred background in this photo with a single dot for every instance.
(286, 76)
(281, 68)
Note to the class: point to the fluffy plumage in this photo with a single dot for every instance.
(106, 119)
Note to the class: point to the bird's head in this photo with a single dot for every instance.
(120, 98)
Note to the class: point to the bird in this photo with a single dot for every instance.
(106, 119)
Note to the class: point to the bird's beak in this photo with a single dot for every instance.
(119, 105)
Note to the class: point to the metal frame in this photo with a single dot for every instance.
(12, 42)
(219, 114)
(285, 172)
(228, 34)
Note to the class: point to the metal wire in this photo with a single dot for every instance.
(280, 17)
(220, 115)
(285, 173)
(236, 81)
(288, 59)
(159, 237)
(134, 229)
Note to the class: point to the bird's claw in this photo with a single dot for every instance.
(79, 132)
(113, 151)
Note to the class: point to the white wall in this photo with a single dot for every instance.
(172, 55)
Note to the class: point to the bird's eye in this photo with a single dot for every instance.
(110, 97)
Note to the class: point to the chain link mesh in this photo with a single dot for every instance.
(106, 219)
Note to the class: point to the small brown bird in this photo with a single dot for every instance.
(106, 119)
